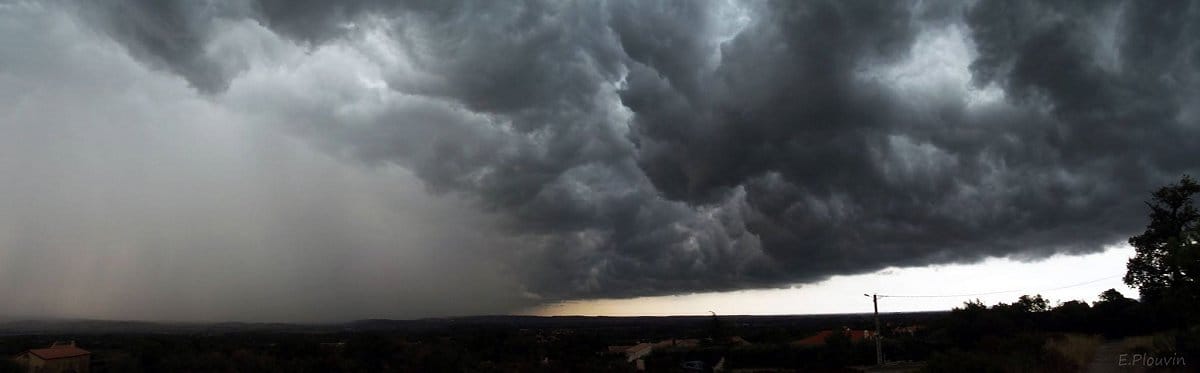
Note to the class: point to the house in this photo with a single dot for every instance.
(910, 329)
(635, 354)
(738, 341)
(639, 351)
(677, 343)
(59, 357)
(819, 338)
(859, 335)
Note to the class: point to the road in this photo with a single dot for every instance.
(1107, 360)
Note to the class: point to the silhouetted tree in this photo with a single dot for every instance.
(1116, 315)
(1166, 269)
(1073, 307)
(1113, 296)
(1032, 304)
(1071, 316)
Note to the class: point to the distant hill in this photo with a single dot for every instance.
(84, 326)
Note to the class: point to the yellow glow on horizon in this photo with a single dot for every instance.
(844, 294)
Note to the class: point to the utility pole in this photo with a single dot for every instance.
(878, 336)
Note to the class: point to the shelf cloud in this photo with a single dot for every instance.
(573, 150)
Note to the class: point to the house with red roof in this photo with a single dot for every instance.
(60, 357)
(819, 338)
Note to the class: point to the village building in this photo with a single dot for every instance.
(60, 357)
(819, 338)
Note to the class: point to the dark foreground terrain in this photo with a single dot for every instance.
(489, 343)
(1025, 336)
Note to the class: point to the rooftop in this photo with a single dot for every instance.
(59, 352)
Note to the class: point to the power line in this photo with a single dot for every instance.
(1083, 283)
(1000, 292)
(875, 299)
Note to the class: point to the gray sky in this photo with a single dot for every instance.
(314, 161)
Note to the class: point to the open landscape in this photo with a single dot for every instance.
(1028, 335)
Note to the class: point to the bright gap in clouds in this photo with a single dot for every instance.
(1053, 278)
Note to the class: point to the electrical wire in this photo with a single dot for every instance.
(998, 292)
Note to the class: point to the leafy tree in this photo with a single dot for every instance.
(1032, 304)
(1071, 316)
(973, 306)
(1073, 307)
(1167, 264)
(1112, 296)
(1116, 315)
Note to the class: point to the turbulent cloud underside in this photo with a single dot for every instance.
(629, 148)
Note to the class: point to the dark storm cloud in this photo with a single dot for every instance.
(167, 34)
(637, 148)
